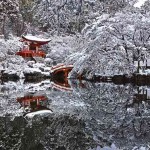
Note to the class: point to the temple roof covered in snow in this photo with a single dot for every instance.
(31, 38)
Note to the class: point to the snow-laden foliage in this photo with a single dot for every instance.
(58, 15)
(113, 42)
(59, 48)
(7, 52)
(67, 15)
(10, 46)
(10, 18)
(8, 62)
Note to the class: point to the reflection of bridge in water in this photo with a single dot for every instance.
(64, 84)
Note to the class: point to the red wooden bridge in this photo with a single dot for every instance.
(61, 70)
(59, 75)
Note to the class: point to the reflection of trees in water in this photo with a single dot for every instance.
(110, 117)
(56, 133)
(112, 113)
(11, 132)
(59, 132)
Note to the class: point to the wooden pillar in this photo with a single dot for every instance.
(23, 104)
(66, 74)
(28, 45)
(29, 103)
(37, 102)
(37, 48)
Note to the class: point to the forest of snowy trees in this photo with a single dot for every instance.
(100, 39)
(112, 32)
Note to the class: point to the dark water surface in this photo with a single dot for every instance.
(74, 116)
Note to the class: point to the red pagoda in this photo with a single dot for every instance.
(32, 46)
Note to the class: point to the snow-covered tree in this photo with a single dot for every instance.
(113, 43)
(66, 15)
(10, 18)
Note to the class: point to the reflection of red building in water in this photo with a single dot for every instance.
(32, 103)
(32, 47)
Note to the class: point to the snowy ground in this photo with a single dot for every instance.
(57, 50)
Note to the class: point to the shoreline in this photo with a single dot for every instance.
(135, 79)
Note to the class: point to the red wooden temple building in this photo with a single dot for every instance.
(32, 46)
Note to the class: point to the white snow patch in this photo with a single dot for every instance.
(139, 3)
(46, 73)
(34, 38)
(38, 65)
(40, 113)
(31, 70)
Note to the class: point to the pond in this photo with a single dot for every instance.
(76, 115)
